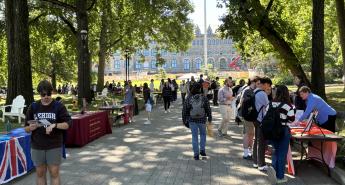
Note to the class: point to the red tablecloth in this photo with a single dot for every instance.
(88, 127)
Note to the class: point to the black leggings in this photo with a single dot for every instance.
(166, 100)
(330, 123)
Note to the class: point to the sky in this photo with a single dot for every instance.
(212, 13)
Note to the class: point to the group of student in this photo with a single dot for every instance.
(255, 102)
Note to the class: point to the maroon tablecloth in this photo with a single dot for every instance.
(88, 127)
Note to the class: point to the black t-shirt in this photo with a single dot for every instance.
(55, 112)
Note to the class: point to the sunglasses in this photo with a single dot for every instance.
(44, 94)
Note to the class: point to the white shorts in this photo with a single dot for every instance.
(148, 107)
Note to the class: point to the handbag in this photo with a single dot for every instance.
(209, 129)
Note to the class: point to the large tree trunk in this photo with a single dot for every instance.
(19, 61)
(318, 47)
(102, 51)
(53, 73)
(84, 76)
(341, 24)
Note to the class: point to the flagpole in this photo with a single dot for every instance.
(205, 38)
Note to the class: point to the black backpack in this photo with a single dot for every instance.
(271, 125)
(214, 85)
(249, 112)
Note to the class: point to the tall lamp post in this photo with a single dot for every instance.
(82, 86)
(127, 64)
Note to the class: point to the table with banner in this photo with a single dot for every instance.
(88, 127)
(316, 143)
(15, 155)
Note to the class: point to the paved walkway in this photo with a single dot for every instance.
(161, 153)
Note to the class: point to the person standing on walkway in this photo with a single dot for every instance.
(152, 87)
(248, 126)
(147, 100)
(281, 146)
(175, 85)
(215, 91)
(183, 89)
(263, 85)
(326, 114)
(195, 111)
(166, 93)
(130, 99)
(47, 141)
(225, 98)
(190, 85)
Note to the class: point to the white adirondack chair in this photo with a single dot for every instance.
(103, 94)
(17, 109)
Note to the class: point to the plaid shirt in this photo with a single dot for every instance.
(187, 108)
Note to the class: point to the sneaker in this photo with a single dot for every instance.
(196, 157)
(165, 112)
(203, 153)
(255, 165)
(168, 110)
(271, 173)
(283, 180)
(263, 168)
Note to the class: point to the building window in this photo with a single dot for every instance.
(153, 64)
(223, 63)
(186, 64)
(210, 63)
(198, 64)
(173, 63)
(137, 65)
(146, 52)
(117, 64)
(146, 65)
(153, 52)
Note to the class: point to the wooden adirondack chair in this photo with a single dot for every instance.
(17, 109)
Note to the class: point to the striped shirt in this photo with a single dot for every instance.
(287, 112)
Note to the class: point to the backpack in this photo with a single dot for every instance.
(271, 125)
(213, 85)
(249, 112)
(197, 104)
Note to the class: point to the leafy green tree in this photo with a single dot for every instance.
(341, 27)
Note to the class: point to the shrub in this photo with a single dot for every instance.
(283, 78)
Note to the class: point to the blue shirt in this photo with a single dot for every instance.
(315, 102)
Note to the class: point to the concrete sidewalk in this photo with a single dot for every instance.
(161, 153)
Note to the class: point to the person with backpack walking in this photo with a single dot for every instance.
(183, 89)
(148, 101)
(279, 114)
(196, 110)
(47, 139)
(263, 85)
(326, 114)
(246, 100)
(225, 98)
(167, 94)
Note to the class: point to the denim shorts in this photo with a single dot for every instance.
(47, 157)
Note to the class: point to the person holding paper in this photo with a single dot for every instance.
(326, 114)
(47, 119)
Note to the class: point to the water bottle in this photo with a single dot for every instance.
(8, 126)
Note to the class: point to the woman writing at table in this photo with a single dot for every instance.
(326, 114)
(47, 140)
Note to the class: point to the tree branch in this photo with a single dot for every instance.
(91, 6)
(69, 24)
(37, 17)
(62, 4)
(115, 42)
(269, 6)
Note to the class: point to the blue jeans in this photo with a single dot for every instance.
(281, 147)
(197, 128)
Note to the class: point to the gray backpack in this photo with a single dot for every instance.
(197, 104)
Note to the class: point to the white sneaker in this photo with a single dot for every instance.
(255, 165)
(263, 168)
(168, 110)
(283, 180)
(165, 112)
(271, 173)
